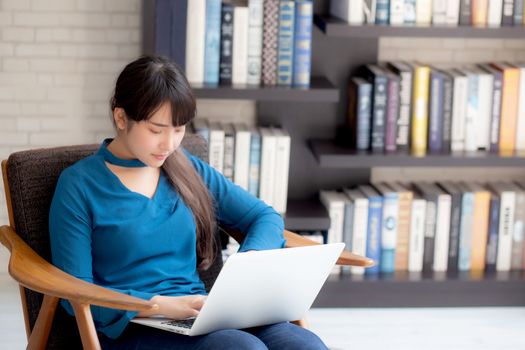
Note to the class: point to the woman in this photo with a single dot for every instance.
(139, 217)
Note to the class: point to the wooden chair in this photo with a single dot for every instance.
(30, 178)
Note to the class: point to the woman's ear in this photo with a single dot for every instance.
(119, 115)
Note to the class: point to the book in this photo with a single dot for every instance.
(255, 37)
(282, 167)
(351, 11)
(212, 41)
(465, 12)
(404, 70)
(229, 149)
(240, 46)
(285, 48)
(403, 225)
(518, 12)
(417, 234)
(355, 226)
(377, 77)
(447, 111)
(423, 12)
(373, 235)
(359, 112)
(483, 121)
(435, 112)
(497, 80)
(335, 205)
(195, 33)
(410, 12)
(516, 256)
(471, 117)
(255, 161)
(392, 110)
(453, 12)
(216, 146)
(397, 9)
(302, 43)
(389, 222)
(267, 175)
(492, 240)
(382, 12)
(480, 226)
(419, 132)
(479, 12)
(507, 16)
(465, 228)
(242, 155)
(455, 220)
(225, 66)
(494, 11)
(459, 110)
(439, 13)
(270, 37)
(520, 119)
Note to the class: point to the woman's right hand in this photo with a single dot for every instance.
(176, 308)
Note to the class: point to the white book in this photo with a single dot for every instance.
(417, 235)
(442, 232)
(424, 12)
(282, 167)
(482, 124)
(351, 11)
(267, 177)
(216, 146)
(359, 226)
(472, 110)
(495, 10)
(459, 110)
(334, 203)
(452, 12)
(255, 35)
(242, 155)
(240, 45)
(195, 35)
(506, 223)
(520, 126)
(439, 12)
(397, 12)
(369, 8)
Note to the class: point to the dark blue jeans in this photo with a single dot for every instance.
(280, 336)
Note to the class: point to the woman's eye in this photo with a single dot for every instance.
(155, 131)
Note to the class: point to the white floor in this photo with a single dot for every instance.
(369, 329)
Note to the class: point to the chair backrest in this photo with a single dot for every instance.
(31, 180)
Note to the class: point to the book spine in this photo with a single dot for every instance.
(424, 12)
(196, 29)
(403, 122)
(240, 46)
(492, 242)
(392, 115)
(447, 113)
(217, 149)
(453, 243)
(397, 8)
(439, 13)
(302, 43)
(479, 12)
(420, 110)
(518, 12)
(378, 113)
(286, 43)
(242, 159)
(229, 147)
(520, 128)
(373, 244)
(485, 86)
(509, 110)
(496, 110)
(494, 13)
(472, 113)
(435, 137)
(382, 12)
(459, 110)
(465, 232)
(347, 229)
(389, 232)
(225, 68)
(442, 233)
(364, 110)
(255, 163)
(270, 35)
(267, 176)
(360, 221)
(480, 228)
(430, 234)
(179, 9)
(453, 12)
(507, 16)
(255, 37)
(410, 12)
(212, 41)
(417, 235)
(282, 166)
(506, 221)
(465, 13)
(403, 231)
(516, 260)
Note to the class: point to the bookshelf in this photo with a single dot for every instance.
(311, 116)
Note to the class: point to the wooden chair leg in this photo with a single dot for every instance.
(86, 326)
(40, 334)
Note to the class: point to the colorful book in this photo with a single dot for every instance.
(302, 43)
(373, 236)
(226, 62)
(212, 42)
(270, 37)
(480, 226)
(388, 227)
(255, 37)
(420, 98)
(492, 240)
(435, 113)
(379, 80)
(465, 228)
(479, 12)
(255, 161)
(285, 49)
(404, 71)
(403, 225)
(495, 106)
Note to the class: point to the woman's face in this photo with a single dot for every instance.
(152, 141)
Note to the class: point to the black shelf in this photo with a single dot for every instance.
(320, 90)
(335, 27)
(424, 290)
(306, 214)
(330, 155)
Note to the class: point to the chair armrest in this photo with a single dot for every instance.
(295, 240)
(35, 273)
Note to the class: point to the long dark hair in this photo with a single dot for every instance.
(142, 87)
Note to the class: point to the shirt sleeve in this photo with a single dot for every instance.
(70, 227)
(238, 209)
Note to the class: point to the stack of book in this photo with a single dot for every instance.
(401, 106)
(255, 158)
(444, 226)
(492, 13)
(240, 42)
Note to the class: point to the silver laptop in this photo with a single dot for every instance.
(259, 288)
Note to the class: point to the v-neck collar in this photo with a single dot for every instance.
(113, 159)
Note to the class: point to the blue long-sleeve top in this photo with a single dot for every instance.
(106, 234)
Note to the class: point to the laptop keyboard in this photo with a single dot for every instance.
(188, 323)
